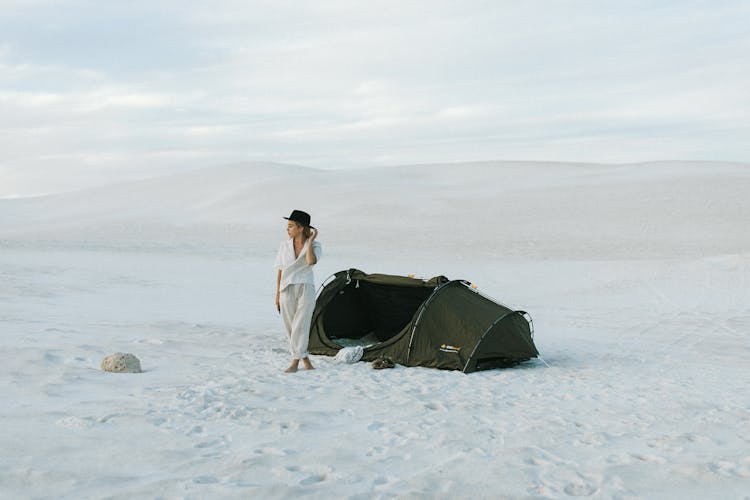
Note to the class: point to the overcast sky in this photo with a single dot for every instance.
(92, 91)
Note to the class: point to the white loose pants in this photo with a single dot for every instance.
(297, 304)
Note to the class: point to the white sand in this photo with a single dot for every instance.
(636, 276)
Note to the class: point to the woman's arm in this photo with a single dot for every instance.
(278, 285)
(310, 257)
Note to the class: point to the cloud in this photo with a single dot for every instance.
(124, 88)
(29, 99)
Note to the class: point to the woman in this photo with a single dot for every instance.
(295, 284)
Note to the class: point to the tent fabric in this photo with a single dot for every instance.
(437, 323)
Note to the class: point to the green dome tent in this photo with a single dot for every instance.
(438, 323)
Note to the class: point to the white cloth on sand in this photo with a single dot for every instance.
(349, 354)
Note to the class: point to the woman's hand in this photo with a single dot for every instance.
(310, 257)
(278, 302)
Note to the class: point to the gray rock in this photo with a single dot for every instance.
(121, 362)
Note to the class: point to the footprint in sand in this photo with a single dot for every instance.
(315, 478)
(541, 491)
(580, 489)
(537, 461)
(655, 459)
(51, 358)
(283, 428)
(375, 426)
(619, 459)
(205, 480)
(150, 341)
(727, 468)
(383, 482)
(313, 474)
(377, 451)
(107, 418)
(221, 442)
(158, 421)
(274, 451)
(75, 422)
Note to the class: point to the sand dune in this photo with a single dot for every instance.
(508, 209)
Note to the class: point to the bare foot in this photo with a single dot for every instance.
(292, 368)
(308, 365)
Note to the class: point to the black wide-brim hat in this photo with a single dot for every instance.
(301, 217)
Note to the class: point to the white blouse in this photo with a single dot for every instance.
(295, 270)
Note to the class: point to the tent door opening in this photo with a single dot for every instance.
(367, 314)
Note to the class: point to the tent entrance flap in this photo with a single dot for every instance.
(371, 312)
